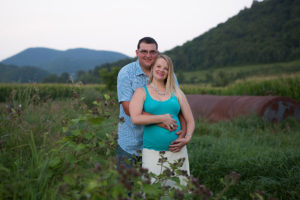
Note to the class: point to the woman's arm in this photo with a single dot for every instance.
(136, 112)
(182, 132)
(188, 116)
(190, 125)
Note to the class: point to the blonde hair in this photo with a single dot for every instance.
(170, 83)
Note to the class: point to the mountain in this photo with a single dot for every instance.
(15, 74)
(56, 61)
(267, 32)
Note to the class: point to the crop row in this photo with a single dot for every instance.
(288, 87)
(44, 91)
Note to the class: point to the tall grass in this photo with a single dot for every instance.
(265, 155)
(288, 87)
(44, 91)
(27, 134)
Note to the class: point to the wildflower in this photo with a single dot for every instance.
(178, 194)
(184, 172)
(195, 181)
(167, 172)
(98, 167)
(143, 170)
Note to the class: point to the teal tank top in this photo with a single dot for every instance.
(155, 137)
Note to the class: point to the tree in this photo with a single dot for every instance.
(53, 78)
(180, 77)
(109, 78)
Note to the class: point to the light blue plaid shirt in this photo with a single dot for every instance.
(130, 77)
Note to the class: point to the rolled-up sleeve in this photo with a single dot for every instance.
(124, 88)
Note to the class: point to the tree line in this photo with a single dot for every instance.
(267, 32)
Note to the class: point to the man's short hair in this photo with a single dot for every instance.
(147, 40)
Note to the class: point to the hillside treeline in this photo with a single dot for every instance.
(265, 33)
(15, 74)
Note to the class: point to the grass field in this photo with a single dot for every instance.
(232, 74)
(65, 149)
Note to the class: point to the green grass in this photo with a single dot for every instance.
(266, 155)
(51, 150)
(27, 136)
(26, 92)
(36, 157)
(244, 72)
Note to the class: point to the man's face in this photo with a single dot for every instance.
(147, 54)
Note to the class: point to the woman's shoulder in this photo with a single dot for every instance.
(180, 95)
(139, 94)
(140, 91)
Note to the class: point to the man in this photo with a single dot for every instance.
(131, 77)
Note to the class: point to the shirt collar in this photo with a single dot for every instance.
(139, 70)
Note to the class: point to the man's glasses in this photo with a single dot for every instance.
(145, 52)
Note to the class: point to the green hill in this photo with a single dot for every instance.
(70, 61)
(267, 32)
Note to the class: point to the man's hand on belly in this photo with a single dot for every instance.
(177, 144)
(166, 127)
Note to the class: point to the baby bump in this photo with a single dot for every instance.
(158, 138)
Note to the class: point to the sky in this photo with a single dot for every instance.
(114, 25)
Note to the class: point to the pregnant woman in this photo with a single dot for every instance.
(162, 98)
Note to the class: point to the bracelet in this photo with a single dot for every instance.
(188, 135)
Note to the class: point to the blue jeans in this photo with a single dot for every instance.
(127, 159)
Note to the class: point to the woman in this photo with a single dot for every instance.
(162, 98)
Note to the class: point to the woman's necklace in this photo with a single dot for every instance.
(157, 90)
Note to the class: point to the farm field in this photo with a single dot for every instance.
(64, 148)
(225, 76)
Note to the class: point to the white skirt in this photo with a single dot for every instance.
(150, 159)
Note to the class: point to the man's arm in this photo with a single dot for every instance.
(125, 105)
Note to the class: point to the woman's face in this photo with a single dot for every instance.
(160, 69)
